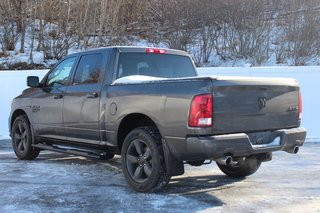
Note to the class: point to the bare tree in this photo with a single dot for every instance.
(245, 31)
(9, 35)
(301, 31)
(253, 30)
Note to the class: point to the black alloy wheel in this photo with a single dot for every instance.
(143, 161)
(139, 160)
(22, 139)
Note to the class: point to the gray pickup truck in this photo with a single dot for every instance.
(150, 106)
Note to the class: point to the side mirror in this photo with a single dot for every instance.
(33, 81)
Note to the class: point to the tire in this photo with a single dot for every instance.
(244, 167)
(143, 162)
(22, 139)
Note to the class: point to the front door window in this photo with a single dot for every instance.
(60, 75)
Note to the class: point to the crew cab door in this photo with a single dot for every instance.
(47, 102)
(81, 107)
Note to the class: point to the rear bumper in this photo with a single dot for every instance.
(237, 145)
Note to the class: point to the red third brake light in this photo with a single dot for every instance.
(155, 50)
(201, 111)
(300, 106)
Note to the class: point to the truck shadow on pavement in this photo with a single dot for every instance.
(201, 188)
(200, 184)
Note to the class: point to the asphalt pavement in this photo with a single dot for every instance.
(57, 182)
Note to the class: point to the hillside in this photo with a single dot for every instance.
(36, 33)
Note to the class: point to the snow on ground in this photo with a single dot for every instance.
(15, 56)
(12, 83)
(56, 182)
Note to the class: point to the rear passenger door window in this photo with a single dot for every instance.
(89, 69)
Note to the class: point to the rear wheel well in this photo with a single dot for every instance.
(131, 122)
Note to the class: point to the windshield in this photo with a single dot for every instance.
(157, 65)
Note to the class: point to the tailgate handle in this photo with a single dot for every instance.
(92, 95)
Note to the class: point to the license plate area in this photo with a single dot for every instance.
(265, 139)
(261, 138)
(276, 142)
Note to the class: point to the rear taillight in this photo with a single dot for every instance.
(201, 111)
(155, 50)
(300, 106)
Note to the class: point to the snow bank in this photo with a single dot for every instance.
(13, 82)
(308, 78)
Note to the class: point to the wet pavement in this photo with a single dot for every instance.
(57, 182)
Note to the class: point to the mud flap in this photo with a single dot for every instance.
(173, 166)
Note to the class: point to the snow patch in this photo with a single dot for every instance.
(12, 83)
(135, 79)
(4, 137)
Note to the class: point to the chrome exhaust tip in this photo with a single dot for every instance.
(225, 160)
(294, 150)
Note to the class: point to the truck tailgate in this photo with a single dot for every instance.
(254, 104)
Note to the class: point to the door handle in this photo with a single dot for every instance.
(58, 96)
(92, 95)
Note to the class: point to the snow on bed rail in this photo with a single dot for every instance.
(135, 79)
